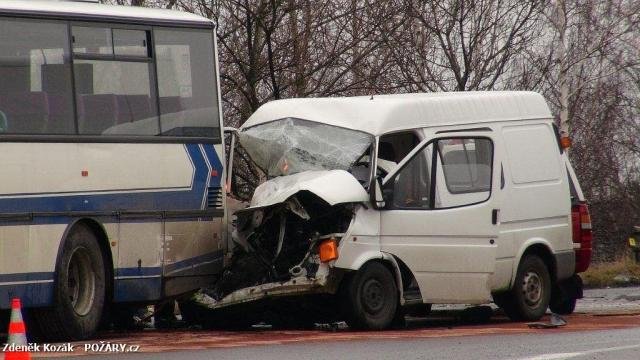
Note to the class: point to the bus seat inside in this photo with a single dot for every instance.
(25, 112)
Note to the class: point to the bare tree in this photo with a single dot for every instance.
(462, 45)
(583, 55)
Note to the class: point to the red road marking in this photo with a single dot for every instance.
(174, 340)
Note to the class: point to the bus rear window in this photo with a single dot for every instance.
(186, 83)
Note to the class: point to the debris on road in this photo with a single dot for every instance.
(554, 322)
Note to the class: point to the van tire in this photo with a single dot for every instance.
(565, 306)
(370, 297)
(79, 290)
(529, 297)
(565, 295)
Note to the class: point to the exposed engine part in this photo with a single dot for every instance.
(257, 218)
(283, 225)
(294, 205)
(279, 243)
(297, 271)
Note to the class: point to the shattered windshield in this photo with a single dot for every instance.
(289, 146)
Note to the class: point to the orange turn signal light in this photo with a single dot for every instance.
(565, 142)
(328, 250)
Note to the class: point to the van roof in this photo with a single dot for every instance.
(99, 12)
(382, 114)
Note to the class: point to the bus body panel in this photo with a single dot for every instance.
(155, 207)
(99, 126)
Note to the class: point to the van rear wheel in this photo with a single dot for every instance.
(529, 298)
(563, 306)
(370, 297)
(565, 295)
(79, 290)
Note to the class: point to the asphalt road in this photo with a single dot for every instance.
(606, 326)
(610, 344)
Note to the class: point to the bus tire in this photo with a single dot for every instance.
(370, 297)
(79, 289)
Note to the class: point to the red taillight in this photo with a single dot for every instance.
(581, 226)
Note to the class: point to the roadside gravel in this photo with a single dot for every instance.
(610, 301)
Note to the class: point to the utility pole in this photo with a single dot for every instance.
(560, 23)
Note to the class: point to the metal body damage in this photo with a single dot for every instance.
(276, 242)
(307, 205)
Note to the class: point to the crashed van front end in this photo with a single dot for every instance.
(286, 242)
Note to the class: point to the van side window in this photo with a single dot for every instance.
(411, 186)
(446, 173)
(466, 165)
(394, 147)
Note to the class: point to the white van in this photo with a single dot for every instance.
(394, 203)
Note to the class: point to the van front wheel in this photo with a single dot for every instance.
(370, 297)
(529, 298)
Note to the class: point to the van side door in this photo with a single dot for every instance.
(441, 216)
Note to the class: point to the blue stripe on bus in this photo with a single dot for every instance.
(141, 271)
(30, 295)
(211, 154)
(187, 263)
(41, 294)
(105, 219)
(129, 290)
(136, 288)
(145, 201)
(148, 289)
(30, 292)
(33, 276)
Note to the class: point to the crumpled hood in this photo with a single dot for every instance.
(332, 186)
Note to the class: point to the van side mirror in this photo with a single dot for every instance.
(377, 199)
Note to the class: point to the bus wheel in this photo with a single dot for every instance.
(79, 289)
(371, 297)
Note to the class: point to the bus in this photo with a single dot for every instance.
(111, 160)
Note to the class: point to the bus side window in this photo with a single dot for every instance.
(35, 90)
(186, 83)
(115, 88)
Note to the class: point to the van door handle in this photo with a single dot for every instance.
(494, 216)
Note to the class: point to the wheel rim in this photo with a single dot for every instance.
(532, 288)
(373, 298)
(81, 282)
